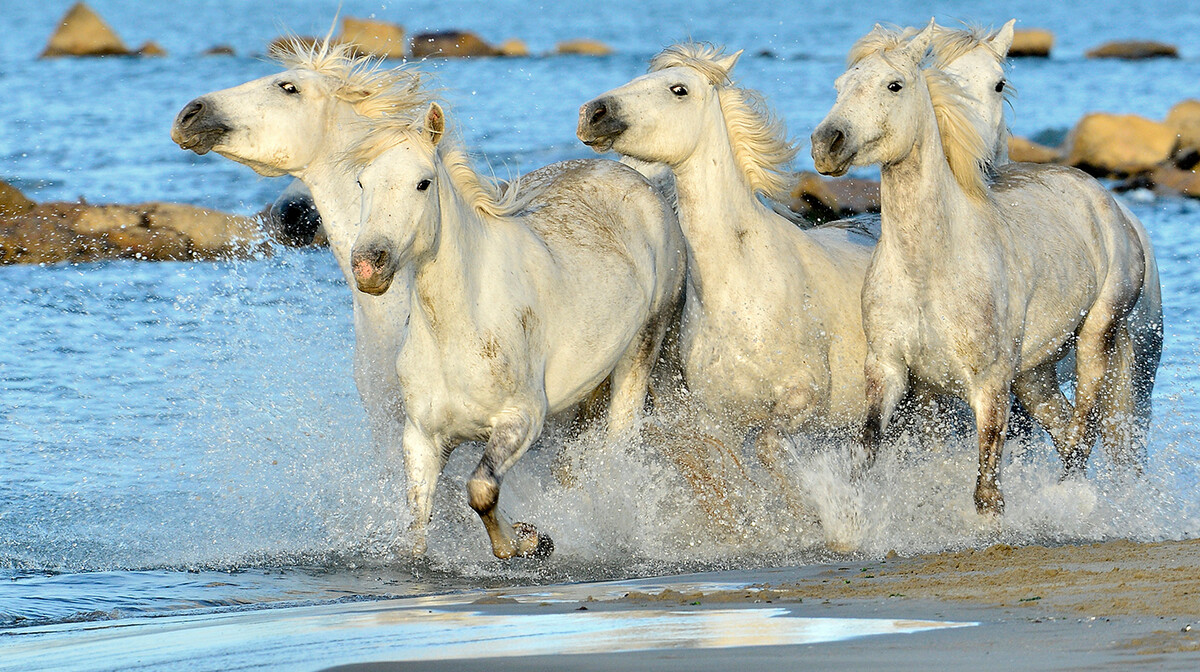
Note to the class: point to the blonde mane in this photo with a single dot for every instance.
(362, 81)
(962, 141)
(485, 195)
(757, 136)
(881, 40)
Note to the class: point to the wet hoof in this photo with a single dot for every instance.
(531, 543)
(988, 501)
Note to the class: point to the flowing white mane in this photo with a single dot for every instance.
(483, 194)
(374, 91)
(757, 135)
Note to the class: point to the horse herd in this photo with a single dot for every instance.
(483, 308)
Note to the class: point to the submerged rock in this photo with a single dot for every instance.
(1034, 42)
(1134, 49)
(821, 199)
(449, 44)
(293, 218)
(1184, 120)
(1118, 144)
(151, 48)
(583, 47)
(1028, 151)
(12, 201)
(513, 47)
(375, 38)
(74, 232)
(219, 50)
(81, 32)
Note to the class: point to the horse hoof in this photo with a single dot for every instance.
(531, 543)
(989, 501)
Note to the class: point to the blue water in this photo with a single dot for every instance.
(188, 436)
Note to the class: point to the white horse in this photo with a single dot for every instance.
(300, 122)
(978, 288)
(521, 305)
(771, 333)
(975, 59)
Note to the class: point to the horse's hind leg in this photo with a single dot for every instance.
(512, 433)
(1093, 354)
(1121, 427)
(1038, 391)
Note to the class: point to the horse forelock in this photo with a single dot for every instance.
(950, 44)
(703, 57)
(881, 40)
(373, 90)
(481, 193)
(962, 139)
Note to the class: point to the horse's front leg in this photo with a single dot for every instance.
(990, 402)
(424, 459)
(886, 384)
(512, 433)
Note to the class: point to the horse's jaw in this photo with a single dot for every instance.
(264, 169)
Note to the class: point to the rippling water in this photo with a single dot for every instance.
(188, 436)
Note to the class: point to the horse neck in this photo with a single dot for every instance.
(447, 281)
(335, 190)
(925, 210)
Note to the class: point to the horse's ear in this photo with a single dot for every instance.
(729, 61)
(1002, 41)
(919, 44)
(435, 123)
(353, 94)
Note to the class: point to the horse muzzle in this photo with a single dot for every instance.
(599, 124)
(831, 152)
(197, 127)
(373, 270)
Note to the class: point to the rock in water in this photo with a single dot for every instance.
(1184, 119)
(82, 32)
(12, 201)
(1118, 144)
(584, 48)
(1022, 150)
(374, 38)
(450, 43)
(293, 219)
(1134, 49)
(1034, 42)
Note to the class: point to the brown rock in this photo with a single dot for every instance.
(219, 50)
(76, 232)
(1111, 144)
(82, 32)
(1184, 119)
(583, 47)
(822, 199)
(1028, 151)
(1170, 179)
(513, 47)
(151, 48)
(450, 43)
(12, 201)
(374, 38)
(1031, 42)
(1133, 49)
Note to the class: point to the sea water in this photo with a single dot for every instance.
(179, 436)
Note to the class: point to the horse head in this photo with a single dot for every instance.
(881, 102)
(974, 59)
(661, 116)
(399, 174)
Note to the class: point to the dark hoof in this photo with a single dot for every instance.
(531, 543)
(989, 501)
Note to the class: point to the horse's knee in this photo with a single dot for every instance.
(483, 492)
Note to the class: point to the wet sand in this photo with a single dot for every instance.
(1116, 605)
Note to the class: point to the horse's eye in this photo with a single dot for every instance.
(423, 185)
(1000, 86)
(679, 90)
(288, 87)
(895, 87)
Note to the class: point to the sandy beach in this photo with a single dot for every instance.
(1112, 605)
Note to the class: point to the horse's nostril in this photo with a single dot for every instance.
(380, 258)
(839, 139)
(191, 112)
(598, 113)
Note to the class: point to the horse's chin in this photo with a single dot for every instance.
(374, 289)
(826, 166)
(601, 145)
(266, 170)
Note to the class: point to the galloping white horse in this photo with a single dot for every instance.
(300, 122)
(771, 333)
(975, 59)
(977, 288)
(521, 305)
